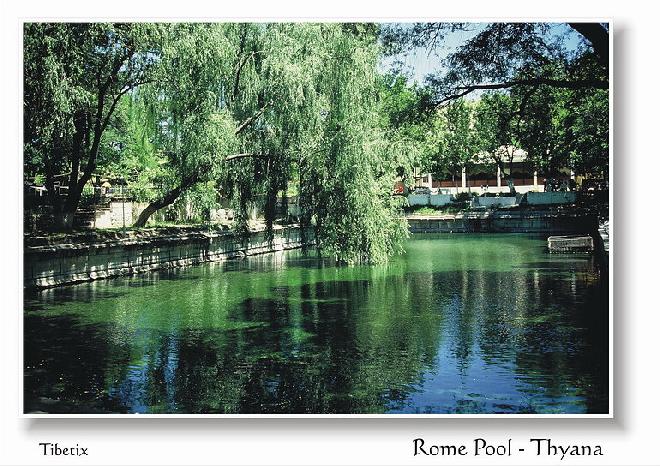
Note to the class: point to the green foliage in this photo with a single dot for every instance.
(465, 196)
(424, 210)
(198, 202)
(402, 105)
(349, 180)
(129, 149)
(75, 75)
(405, 123)
(453, 142)
(494, 122)
(495, 127)
(587, 133)
(196, 131)
(557, 128)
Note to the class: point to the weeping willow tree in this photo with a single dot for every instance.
(348, 181)
(244, 109)
(196, 131)
(233, 99)
(252, 107)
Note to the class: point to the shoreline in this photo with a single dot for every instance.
(66, 259)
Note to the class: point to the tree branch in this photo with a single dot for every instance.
(166, 199)
(251, 119)
(101, 121)
(523, 104)
(561, 83)
(127, 88)
(241, 156)
(239, 68)
(598, 36)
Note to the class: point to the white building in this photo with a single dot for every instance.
(484, 178)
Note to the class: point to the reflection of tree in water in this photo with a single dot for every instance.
(65, 367)
(552, 331)
(342, 358)
(312, 338)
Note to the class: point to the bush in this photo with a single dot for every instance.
(429, 210)
(424, 210)
(465, 196)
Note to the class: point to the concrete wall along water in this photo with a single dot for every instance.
(496, 201)
(70, 262)
(553, 197)
(546, 221)
(437, 200)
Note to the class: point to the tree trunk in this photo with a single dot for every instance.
(512, 190)
(146, 213)
(599, 38)
(65, 209)
(164, 201)
(64, 220)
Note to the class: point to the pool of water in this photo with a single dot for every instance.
(458, 324)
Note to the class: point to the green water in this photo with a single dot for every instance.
(459, 324)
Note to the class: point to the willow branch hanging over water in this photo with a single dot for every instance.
(303, 102)
(240, 111)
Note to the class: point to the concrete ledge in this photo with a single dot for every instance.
(437, 200)
(546, 221)
(549, 198)
(570, 244)
(499, 201)
(66, 263)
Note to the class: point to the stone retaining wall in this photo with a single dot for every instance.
(437, 200)
(501, 201)
(551, 221)
(554, 197)
(87, 257)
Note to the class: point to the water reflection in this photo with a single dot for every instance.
(460, 324)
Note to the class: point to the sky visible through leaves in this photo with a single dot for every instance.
(421, 62)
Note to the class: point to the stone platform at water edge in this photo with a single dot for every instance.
(555, 220)
(92, 256)
(570, 243)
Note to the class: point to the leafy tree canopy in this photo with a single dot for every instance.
(75, 75)
(506, 55)
(244, 109)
